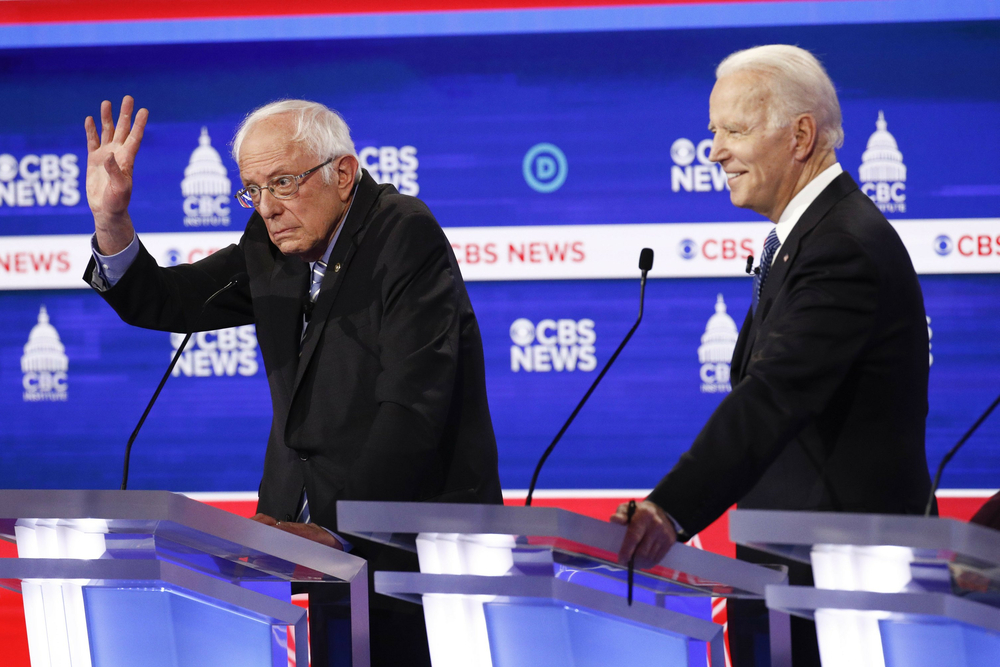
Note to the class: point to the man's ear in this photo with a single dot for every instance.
(805, 130)
(347, 167)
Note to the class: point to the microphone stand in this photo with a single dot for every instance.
(954, 450)
(646, 266)
(163, 381)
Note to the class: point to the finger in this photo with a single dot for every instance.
(290, 527)
(633, 537)
(621, 514)
(138, 130)
(263, 518)
(653, 549)
(114, 171)
(124, 119)
(93, 141)
(107, 127)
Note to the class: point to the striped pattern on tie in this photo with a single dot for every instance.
(771, 246)
(303, 514)
(318, 271)
(315, 282)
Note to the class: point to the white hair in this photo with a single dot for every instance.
(321, 129)
(798, 85)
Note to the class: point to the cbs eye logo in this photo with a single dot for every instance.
(553, 345)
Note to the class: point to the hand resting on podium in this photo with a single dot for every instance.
(649, 537)
(310, 531)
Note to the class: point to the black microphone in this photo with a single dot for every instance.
(645, 264)
(238, 278)
(750, 264)
(954, 450)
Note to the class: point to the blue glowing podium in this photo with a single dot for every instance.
(890, 590)
(124, 578)
(533, 586)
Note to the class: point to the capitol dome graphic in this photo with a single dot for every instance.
(44, 352)
(882, 161)
(719, 339)
(205, 173)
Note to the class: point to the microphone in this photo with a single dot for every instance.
(954, 450)
(750, 265)
(645, 264)
(238, 278)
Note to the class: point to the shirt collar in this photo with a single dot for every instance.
(804, 199)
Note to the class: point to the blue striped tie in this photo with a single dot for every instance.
(318, 271)
(303, 514)
(316, 281)
(771, 246)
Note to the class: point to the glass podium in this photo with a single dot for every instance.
(890, 590)
(152, 578)
(525, 586)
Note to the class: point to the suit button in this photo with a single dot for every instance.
(303, 456)
(288, 517)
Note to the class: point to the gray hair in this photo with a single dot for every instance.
(798, 85)
(321, 129)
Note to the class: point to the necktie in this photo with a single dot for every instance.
(771, 246)
(318, 271)
(316, 281)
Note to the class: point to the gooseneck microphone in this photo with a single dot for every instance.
(238, 278)
(954, 450)
(645, 264)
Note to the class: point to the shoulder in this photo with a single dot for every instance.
(402, 220)
(857, 218)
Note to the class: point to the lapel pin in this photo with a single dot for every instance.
(336, 267)
(783, 259)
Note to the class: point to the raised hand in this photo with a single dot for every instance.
(110, 159)
(650, 534)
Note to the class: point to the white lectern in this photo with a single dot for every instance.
(124, 578)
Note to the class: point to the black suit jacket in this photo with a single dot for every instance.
(829, 396)
(387, 400)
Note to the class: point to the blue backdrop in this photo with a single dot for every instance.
(470, 108)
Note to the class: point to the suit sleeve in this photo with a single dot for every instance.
(170, 299)
(419, 344)
(830, 306)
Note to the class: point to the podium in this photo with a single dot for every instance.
(124, 578)
(525, 586)
(890, 590)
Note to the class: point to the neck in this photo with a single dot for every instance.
(815, 166)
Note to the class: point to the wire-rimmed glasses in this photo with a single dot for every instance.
(281, 187)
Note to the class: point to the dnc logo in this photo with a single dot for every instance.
(545, 168)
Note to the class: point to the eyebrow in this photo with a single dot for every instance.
(272, 175)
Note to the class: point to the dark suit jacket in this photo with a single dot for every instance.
(829, 378)
(388, 398)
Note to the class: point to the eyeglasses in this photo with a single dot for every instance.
(281, 187)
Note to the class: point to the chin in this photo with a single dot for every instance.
(737, 200)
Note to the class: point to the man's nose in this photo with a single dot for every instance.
(269, 204)
(718, 152)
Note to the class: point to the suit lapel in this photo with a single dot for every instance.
(289, 281)
(839, 188)
(350, 238)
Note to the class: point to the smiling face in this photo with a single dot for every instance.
(303, 225)
(759, 161)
